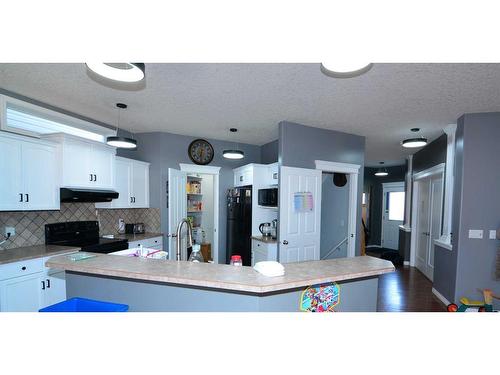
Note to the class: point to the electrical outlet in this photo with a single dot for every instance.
(493, 234)
(10, 230)
(476, 233)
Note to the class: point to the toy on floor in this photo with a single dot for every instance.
(479, 306)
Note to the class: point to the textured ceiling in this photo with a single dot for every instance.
(205, 100)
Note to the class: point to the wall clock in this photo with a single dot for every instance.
(200, 152)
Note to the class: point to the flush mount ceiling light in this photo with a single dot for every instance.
(123, 72)
(414, 142)
(121, 142)
(233, 154)
(381, 172)
(344, 70)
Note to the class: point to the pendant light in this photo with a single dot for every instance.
(121, 142)
(233, 154)
(123, 72)
(381, 172)
(414, 142)
(344, 70)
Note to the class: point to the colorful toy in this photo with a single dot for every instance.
(320, 298)
(480, 306)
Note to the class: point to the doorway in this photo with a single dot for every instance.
(193, 193)
(427, 215)
(393, 210)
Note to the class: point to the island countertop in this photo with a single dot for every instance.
(225, 277)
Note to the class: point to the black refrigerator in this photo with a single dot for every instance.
(239, 224)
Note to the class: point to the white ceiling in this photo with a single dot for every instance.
(206, 99)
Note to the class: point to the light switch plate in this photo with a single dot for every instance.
(476, 233)
(493, 234)
(10, 230)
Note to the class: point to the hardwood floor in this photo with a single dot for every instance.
(407, 290)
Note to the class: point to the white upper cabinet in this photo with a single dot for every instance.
(243, 176)
(132, 184)
(29, 170)
(84, 163)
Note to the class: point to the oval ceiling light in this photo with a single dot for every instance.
(233, 154)
(123, 72)
(121, 142)
(344, 70)
(381, 172)
(414, 142)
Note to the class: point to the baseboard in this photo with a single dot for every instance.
(406, 263)
(376, 246)
(440, 297)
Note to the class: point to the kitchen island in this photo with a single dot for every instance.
(164, 285)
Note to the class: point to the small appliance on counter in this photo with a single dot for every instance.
(265, 229)
(274, 229)
(137, 228)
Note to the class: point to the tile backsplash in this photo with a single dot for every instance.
(30, 225)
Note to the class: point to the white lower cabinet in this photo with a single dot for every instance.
(39, 288)
(263, 251)
(151, 243)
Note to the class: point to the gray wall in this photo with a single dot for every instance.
(300, 145)
(166, 150)
(334, 216)
(476, 203)
(373, 186)
(269, 152)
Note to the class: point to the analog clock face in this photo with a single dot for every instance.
(200, 151)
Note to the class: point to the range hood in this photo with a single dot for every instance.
(87, 195)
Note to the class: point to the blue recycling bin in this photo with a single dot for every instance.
(78, 304)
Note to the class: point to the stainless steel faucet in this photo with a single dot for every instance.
(178, 236)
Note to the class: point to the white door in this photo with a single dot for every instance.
(393, 204)
(102, 165)
(40, 177)
(55, 289)
(430, 206)
(140, 185)
(21, 293)
(123, 186)
(11, 180)
(177, 210)
(77, 158)
(299, 227)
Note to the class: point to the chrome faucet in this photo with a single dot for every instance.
(178, 236)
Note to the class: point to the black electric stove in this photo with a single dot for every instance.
(82, 234)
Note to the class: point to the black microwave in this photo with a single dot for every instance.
(268, 197)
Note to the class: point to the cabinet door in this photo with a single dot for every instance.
(55, 289)
(76, 164)
(140, 185)
(21, 293)
(40, 177)
(10, 172)
(102, 165)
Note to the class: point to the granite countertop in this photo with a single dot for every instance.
(33, 252)
(138, 236)
(266, 239)
(227, 277)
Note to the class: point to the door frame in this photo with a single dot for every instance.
(389, 185)
(437, 169)
(353, 171)
(214, 171)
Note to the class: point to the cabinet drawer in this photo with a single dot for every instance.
(156, 242)
(16, 269)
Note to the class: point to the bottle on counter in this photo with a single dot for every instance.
(236, 260)
(196, 255)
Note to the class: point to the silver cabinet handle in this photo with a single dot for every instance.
(285, 242)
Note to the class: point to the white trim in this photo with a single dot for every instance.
(409, 173)
(205, 169)
(353, 171)
(194, 168)
(445, 245)
(376, 246)
(445, 238)
(406, 263)
(405, 228)
(429, 172)
(440, 297)
(393, 184)
(331, 166)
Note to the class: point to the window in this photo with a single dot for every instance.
(396, 205)
(28, 119)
